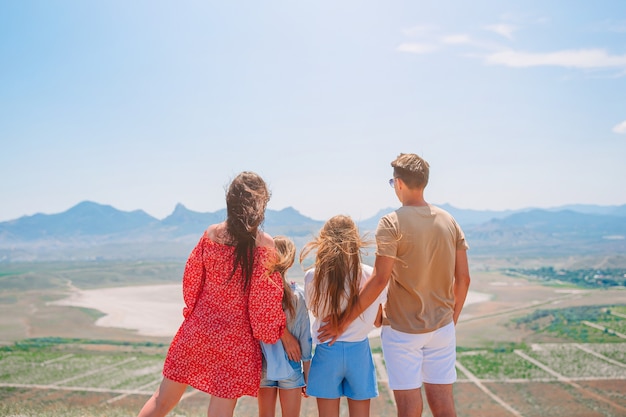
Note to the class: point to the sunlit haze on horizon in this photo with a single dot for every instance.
(143, 105)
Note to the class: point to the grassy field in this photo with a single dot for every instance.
(530, 350)
(52, 377)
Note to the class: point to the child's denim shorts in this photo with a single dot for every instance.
(345, 369)
(295, 381)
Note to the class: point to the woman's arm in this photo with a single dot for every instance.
(265, 307)
(193, 278)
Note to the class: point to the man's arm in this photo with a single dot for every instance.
(379, 316)
(383, 266)
(461, 282)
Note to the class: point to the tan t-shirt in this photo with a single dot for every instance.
(424, 241)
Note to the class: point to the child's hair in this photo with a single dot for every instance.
(337, 268)
(286, 251)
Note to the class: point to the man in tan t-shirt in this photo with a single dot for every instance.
(421, 256)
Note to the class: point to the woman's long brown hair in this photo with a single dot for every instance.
(246, 199)
(337, 268)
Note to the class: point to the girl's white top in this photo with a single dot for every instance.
(362, 325)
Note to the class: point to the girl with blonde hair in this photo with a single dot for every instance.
(287, 382)
(345, 367)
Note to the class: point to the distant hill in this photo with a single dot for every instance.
(464, 217)
(591, 209)
(558, 233)
(84, 219)
(94, 231)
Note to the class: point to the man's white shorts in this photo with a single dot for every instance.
(412, 359)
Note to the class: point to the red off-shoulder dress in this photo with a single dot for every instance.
(216, 348)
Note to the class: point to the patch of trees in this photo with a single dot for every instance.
(587, 278)
(569, 323)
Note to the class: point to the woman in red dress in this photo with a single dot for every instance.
(232, 300)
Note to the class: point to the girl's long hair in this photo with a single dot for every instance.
(337, 268)
(246, 199)
(286, 254)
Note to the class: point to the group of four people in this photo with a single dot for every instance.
(238, 303)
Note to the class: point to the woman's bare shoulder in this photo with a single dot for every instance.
(264, 240)
(215, 232)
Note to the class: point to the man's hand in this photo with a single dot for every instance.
(383, 266)
(327, 333)
(291, 345)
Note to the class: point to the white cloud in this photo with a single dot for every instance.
(620, 128)
(502, 29)
(456, 39)
(416, 48)
(581, 58)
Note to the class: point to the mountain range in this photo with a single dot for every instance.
(95, 231)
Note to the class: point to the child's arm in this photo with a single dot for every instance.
(303, 329)
(379, 316)
(306, 365)
(291, 345)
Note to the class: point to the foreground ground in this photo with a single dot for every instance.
(504, 368)
(101, 379)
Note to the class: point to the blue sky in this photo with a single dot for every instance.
(146, 104)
